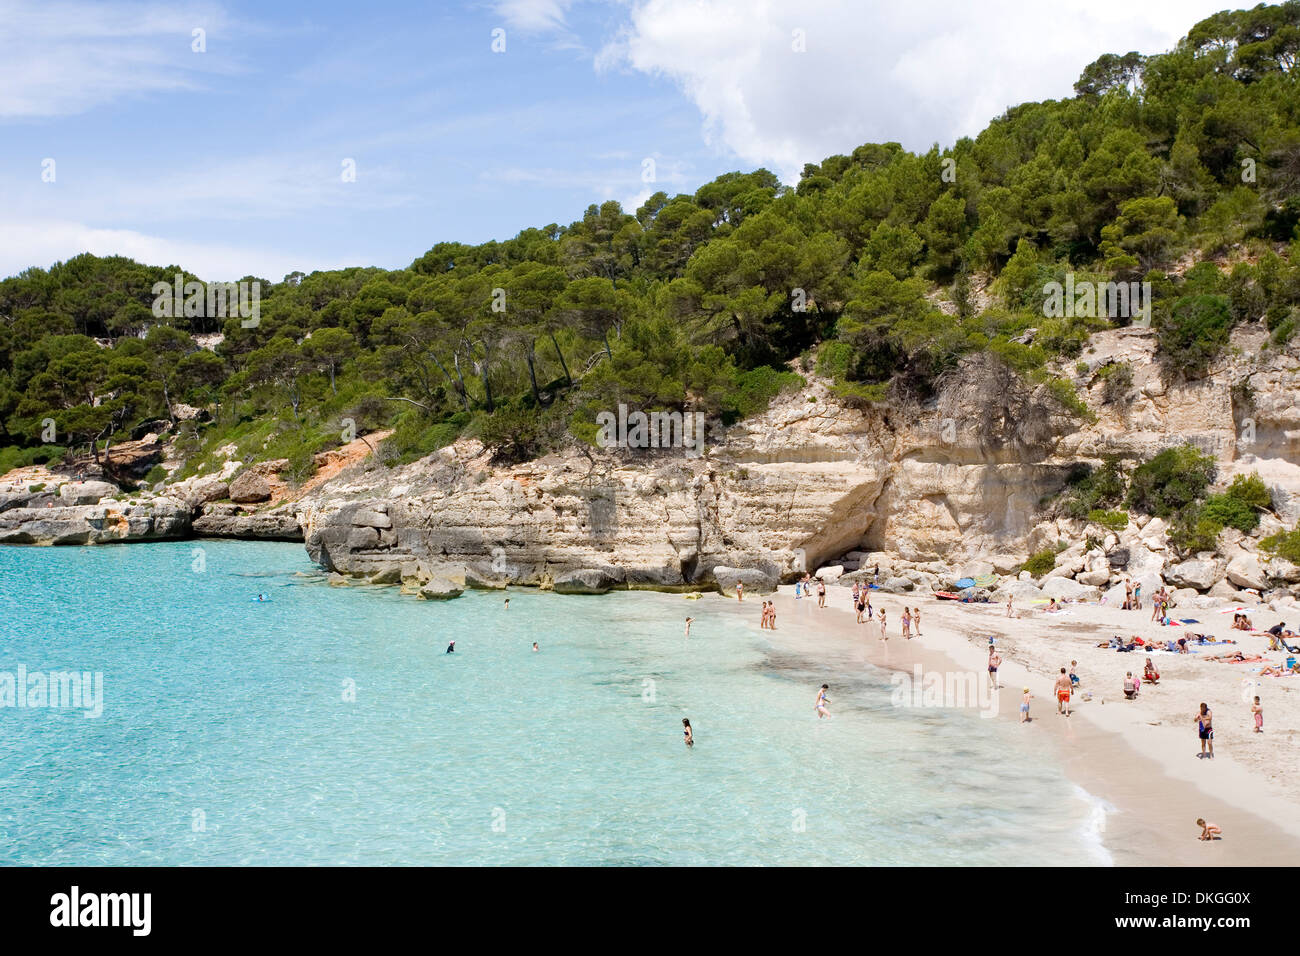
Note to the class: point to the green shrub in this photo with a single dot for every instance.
(1170, 481)
(156, 474)
(1110, 520)
(1117, 380)
(1089, 490)
(1284, 544)
(1191, 530)
(1194, 332)
(1229, 512)
(1041, 562)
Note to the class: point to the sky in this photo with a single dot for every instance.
(237, 139)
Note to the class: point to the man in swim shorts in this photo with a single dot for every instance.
(1063, 688)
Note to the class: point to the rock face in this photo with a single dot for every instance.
(249, 488)
(231, 521)
(160, 519)
(588, 581)
(754, 579)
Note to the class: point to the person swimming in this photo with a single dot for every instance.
(535, 647)
(451, 648)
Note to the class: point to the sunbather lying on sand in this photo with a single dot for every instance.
(1237, 658)
(1280, 671)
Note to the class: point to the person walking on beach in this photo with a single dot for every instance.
(994, 663)
(883, 635)
(1063, 689)
(740, 590)
(1024, 706)
(822, 701)
(686, 730)
(821, 593)
(860, 603)
(771, 615)
(916, 620)
(1205, 727)
(1258, 711)
(906, 621)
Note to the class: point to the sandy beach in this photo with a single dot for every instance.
(1138, 756)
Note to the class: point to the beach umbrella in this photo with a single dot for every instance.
(964, 583)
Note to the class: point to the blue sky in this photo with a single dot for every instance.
(230, 161)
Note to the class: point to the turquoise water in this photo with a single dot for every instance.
(226, 737)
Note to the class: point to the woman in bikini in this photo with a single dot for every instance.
(1205, 727)
(883, 635)
(907, 623)
(822, 701)
(686, 730)
(916, 620)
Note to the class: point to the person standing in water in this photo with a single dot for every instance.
(822, 701)
(451, 648)
(740, 590)
(686, 730)
(883, 635)
(994, 663)
(689, 622)
(535, 647)
(1205, 727)
(507, 604)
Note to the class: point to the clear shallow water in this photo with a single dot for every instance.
(230, 713)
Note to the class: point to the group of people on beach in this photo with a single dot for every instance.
(768, 620)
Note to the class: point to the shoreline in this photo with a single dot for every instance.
(1146, 777)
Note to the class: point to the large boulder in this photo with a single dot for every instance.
(1280, 569)
(758, 581)
(1065, 589)
(1194, 573)
(831, 573)
(587, 581)
(897, 585)
(1246, 571)
(1097, 579)
(76, 493)
(249, 488)
(1020, 591)
(441, 588)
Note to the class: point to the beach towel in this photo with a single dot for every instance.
(1189, 620)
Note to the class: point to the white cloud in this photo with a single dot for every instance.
(917, 73)
(534, 16)
(45, 241)
(59, 58)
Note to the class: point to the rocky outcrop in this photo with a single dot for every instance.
(231, 521)
(107, 522)
(249, 487)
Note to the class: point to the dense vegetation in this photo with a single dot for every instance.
(881, 269)
(1171, 485)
